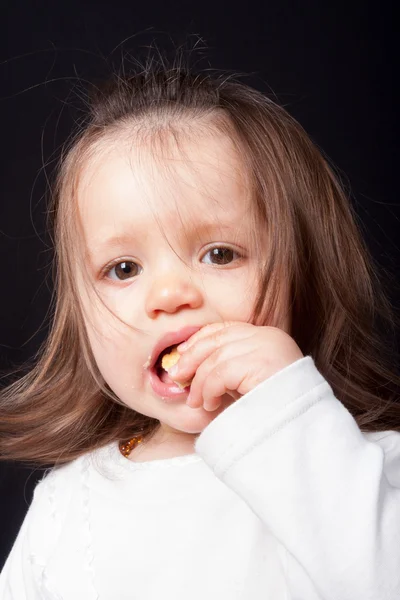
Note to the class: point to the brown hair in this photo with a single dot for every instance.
(340, 313)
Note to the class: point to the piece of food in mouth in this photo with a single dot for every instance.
(169, 360)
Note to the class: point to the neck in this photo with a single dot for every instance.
(163, 446)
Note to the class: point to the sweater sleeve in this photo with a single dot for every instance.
(328, 492)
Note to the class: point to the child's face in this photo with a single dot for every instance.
(179, 228)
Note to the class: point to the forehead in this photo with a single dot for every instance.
(128, 184)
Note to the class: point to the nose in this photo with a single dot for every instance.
(171, 293)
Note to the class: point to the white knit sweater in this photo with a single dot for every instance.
(284, 498)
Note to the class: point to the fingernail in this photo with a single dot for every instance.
(182, 347)
(173, 370)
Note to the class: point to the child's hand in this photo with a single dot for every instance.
(231, 358)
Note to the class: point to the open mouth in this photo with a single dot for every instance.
(163, 357)
(167, 359)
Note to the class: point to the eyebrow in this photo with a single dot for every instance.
(125, 238)
(114, 241)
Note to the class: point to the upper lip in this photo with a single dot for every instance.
(173, 338)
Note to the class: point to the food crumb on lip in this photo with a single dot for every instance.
(147, 363)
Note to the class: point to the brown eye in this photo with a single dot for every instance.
(124, 270)
(221, 256)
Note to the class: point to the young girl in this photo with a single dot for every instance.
(195, 221)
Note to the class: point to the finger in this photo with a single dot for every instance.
(217, 377)
(204, 332)
(221, 380)
(223, 345)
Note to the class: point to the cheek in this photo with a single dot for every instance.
(107, 331)
(234, 298)
(116, 362)
(235, 309)
(112, 349)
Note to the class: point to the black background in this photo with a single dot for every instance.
(332, 64)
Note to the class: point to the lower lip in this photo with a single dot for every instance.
(170, 393)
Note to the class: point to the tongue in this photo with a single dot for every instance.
(165, 378)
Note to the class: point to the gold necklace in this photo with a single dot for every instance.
(127, 447)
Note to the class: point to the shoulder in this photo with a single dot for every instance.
(389, 441)
(64, 487)
(62, 476)
(47, 513)
(40, 532)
